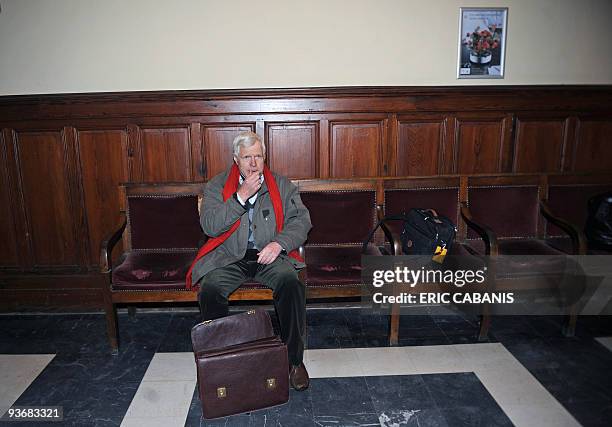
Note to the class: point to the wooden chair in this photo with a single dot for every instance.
(505, 216)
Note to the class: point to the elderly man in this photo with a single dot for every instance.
(255, 220)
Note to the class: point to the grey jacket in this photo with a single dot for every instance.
(217, 216)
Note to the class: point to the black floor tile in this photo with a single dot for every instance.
(329, 336)
(399, 394)
(83, 374)
(82, 400)
(458, 390)
(144, 331)
(591, 414)
(330, 397)
(475, 416)
(178, 334)
(296, 412)
(347, 420)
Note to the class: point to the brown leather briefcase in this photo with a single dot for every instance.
(241, 365)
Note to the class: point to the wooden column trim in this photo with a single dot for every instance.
(197, 153)
(135, 160)
(393, 141)
(570, 143)
(324, 148)
(26, 229)
(77, 194)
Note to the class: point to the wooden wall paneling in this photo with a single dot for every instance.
(52, 218)
(19, 211)
(539, 144)
(324, 149)
(197, 153)
(392, 144)
(134, 154)
(593, 149)
(104, 165)
(260, 127)
(77, 198)
(292, 148)
(420, 146)
(74, 292)
(384, 147)
(449, 159)
(166, 154)
(9, 249)
(570, 142)
(356, 148)
(491, 98)
(357, 133)
(217, 144)
(480, 143)
(542, 195)
(507, 148)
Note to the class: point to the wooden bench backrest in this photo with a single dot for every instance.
(439, 193)
(162, 217)
(509, 205)
(344, 210)
(568, 196)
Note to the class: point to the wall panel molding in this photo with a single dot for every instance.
(540, 144)
(62, 156)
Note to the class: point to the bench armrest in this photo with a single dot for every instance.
(485, 232)
(393, 239)
(106, 248)
(579, 244)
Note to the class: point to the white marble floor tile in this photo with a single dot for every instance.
(17, 371)
(379, 361)
(513, 386)
(153, 422)
(508, 382)
(155, 399)
(165, 393)
(434, 359)
(485, 356)
(329, 363)
(171, 367)
(541, 415)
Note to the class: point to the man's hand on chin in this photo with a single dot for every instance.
(268, 254)
(249, 186)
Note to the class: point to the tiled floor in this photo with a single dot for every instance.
(528, 374)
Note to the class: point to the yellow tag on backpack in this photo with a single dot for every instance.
(439, 254)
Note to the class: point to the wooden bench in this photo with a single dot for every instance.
(567, 197)
(160, 232)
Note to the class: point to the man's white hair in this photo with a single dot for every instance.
(247, 139)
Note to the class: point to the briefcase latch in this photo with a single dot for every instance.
(221, 392)
(271, 383)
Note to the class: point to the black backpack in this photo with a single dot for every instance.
(424, 232)
(598, 228)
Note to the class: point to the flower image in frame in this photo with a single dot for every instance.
(482, 42)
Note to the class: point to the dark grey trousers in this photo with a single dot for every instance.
(288, 292)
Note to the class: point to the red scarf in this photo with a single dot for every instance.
(231, 185)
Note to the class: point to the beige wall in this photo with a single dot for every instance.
(57, 46)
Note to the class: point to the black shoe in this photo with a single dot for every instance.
(298, 377)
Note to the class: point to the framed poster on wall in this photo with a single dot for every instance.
(482, 42)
